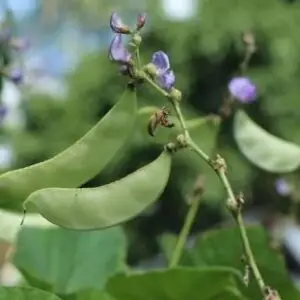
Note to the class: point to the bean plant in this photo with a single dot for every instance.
(86, 223)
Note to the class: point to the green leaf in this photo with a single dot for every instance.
(88, 295)
(25, 293)
(266, 151)
(176, 284)
(10, 224)
(78, 163)
(69, 261)
(105, 206)
(224, 248)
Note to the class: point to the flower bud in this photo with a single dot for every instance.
(150, 69)
(137, 39)
(176, 94)
(249, 40)
(141, 20)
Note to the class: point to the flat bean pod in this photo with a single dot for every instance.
(105, 206)
(78, 163)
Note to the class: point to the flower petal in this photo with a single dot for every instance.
(242, 89)
(166, 80)
(161, 60)
(117, 25)
(117, 50)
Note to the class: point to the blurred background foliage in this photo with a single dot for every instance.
(205, 50)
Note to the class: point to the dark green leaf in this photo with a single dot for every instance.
(105, 206)
(78, 163)
(176, 284)
(88, 295)
(223, 248)
(70, 261)
(25, 293)
(263, 149)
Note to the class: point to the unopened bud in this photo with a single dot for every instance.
(141, 20)
(181, 141)
(136, 40)
(171, 147)
(175, 94)
(150, 69)
(249, 40)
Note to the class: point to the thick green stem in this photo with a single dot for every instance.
(188, 222)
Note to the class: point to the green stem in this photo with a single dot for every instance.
(157, 87)
(138, 58)
(221, 172)
(188, 222)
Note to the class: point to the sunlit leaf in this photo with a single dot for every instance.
(266, 151)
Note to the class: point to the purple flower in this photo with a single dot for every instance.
(141, 20)
(242, 89)
(282, 187)
(117, 50)
(165, 77)
(161, 60)
(117, 25)
(15, 75)
(166, 80)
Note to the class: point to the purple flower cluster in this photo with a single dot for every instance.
(117, 49)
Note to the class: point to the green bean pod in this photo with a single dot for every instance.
(78, 163)
(105, 206)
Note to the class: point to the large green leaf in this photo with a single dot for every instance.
(25, 293)
(176, 284)
(10, 224)
(224, 248)
(78, 163)
(108, 205)
(88, 295)
(68, 261)
(263, 149)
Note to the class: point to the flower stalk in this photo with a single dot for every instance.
(219, 166)
(159, 75)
